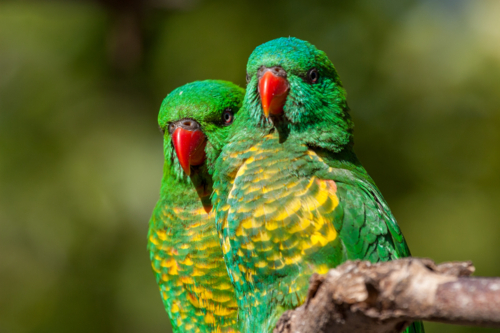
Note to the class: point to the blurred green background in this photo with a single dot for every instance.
(81, 83)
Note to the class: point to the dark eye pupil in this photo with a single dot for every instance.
(313, 75)
(227, 116)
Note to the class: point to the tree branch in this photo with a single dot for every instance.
(359, 297)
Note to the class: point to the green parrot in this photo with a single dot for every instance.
(183, 243)
(291, 197)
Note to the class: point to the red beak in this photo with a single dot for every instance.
(190, 147)
(273, 90)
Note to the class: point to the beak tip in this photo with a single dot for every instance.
(186, 167)
(266, 112)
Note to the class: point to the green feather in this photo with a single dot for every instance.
(290, 195)
(183, 243)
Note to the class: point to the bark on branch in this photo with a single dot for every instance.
(359, 297)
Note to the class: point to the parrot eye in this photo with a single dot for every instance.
(313, 75)
(227, 117)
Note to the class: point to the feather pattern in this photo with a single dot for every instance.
(189, 268)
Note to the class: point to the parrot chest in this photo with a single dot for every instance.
(277, 228)
(190, 270)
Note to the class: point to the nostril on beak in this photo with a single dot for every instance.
(187, 123)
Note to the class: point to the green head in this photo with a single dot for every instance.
(195, 120)
(291, 82)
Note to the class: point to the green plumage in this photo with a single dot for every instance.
(290, 195)
(183, 243)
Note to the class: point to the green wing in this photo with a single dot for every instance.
(368, 229)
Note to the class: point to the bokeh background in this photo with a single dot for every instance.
(81, 83)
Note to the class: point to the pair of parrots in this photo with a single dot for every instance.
(261, 188)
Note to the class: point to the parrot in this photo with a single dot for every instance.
(290, 195)
(183, 243)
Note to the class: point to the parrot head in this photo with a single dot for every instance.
(291, 82)
(195, 120)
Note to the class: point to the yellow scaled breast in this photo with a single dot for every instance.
(276, 217)
(191, 272)
(277, 224)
